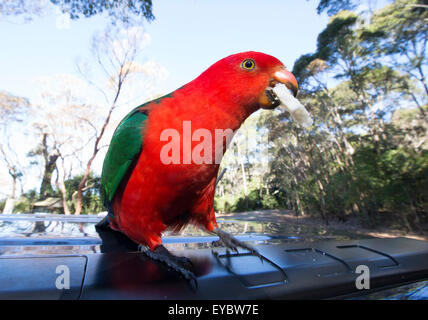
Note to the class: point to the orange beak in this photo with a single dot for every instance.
(268, 100)
(287, 78)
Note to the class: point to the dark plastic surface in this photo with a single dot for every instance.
(36, 277)
(305, 270)
(315, 270)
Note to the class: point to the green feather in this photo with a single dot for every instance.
(124, 149)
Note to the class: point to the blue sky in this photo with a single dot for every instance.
(187, 37)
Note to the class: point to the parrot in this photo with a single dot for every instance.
(149, 187)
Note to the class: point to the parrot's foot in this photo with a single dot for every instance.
(182, 265)
(232, 243)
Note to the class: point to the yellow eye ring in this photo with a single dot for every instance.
(248, 64)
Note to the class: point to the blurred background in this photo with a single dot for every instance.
(72, 69)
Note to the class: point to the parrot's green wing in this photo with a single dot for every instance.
(123, 152)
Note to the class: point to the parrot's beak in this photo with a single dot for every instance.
(268, 99)
(287, 78)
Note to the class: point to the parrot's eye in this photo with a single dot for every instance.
(248, 64)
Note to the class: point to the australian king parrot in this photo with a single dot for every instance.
(161, 166)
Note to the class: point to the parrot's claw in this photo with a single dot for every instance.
(182, 265)
(233, 244)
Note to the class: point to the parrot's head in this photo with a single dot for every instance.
(248, 78)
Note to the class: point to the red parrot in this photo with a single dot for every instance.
(146, 194)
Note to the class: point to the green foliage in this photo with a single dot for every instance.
(25, 201)
(300, 68)
(91, 203)
(91, 197)
(22, 205)
(395, 179)
(338, 34)
(334, 6)
(269, 202)
(255, 200)
(399, 34)
(87, 8)
(397, 25)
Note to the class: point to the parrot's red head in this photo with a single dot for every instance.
(248, 77)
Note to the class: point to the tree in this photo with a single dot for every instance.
(58, 125)
(123, 11)
(12, 108)
(115, 51)
(399, 32)
(350, 159)
(15, 172)
(12, 113)
(335, 6)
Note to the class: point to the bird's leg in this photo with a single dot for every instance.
(232, 243)
(182, 265)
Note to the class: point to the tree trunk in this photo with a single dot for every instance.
(9, 206)
(80, 189)
(60, 184)
(244, 176)
(10, 201)
(50, 164)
